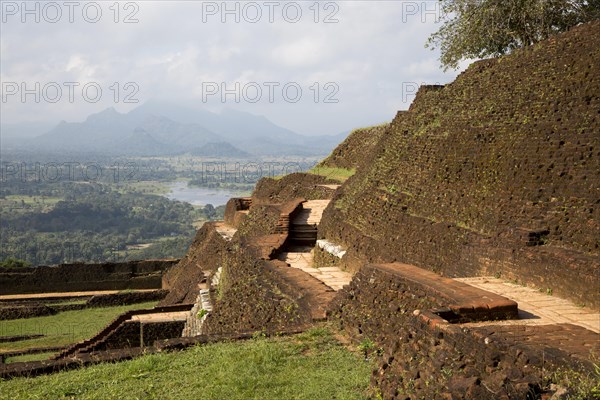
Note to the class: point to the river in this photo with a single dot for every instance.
(198, 196)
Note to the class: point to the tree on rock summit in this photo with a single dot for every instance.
(490, 28)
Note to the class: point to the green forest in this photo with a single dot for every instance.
(91, 208)
(46, 223)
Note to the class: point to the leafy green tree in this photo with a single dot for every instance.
(209, 211)
(490, 28)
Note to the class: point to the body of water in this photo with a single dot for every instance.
(198, 196)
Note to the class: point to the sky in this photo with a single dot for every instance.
(313, 67)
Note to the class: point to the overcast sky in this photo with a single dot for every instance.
(363, 58)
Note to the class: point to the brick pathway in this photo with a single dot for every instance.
(161, 317)
(311, 213)
(536, 308)
(14, 297)
(333, 277)
(570, 340)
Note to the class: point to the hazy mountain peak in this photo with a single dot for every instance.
(105, 115)
(159, 127)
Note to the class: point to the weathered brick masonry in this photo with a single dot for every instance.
(146, 274)
(495, 173)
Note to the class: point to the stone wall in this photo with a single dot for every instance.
(421, 356)
(135, 334)
(357, 150)
(253, 296)
(296, 185)
(145, 274)
(36, 307)
(205, 255)
(235, 210)
(495, 173)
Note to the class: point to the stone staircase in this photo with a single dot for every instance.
(333, 277)
(303, 227)
(301, 240)
(202, 307)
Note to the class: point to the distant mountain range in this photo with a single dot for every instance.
(158, 129)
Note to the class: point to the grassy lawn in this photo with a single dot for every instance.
(66, 303)
(63, 328)
(312, 365)
(339, 174)
(30, 357)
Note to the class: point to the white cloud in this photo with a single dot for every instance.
(300, 53)
(170, 52)
(219, 54)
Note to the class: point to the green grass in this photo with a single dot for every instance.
(313, 365)
(63, 328)
(30, 357)
(584, 385)
(66, 303)
(338, 174)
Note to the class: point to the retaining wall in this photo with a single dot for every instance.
(421, 356)
(146, 274)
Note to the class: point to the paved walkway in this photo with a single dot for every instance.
(333, 277)
(536, 308)
(312, 212)
(161, 317)
(65, 294)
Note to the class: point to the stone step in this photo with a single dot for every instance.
(464, 302)
(311, 213)
(161, 317)
(536, 308)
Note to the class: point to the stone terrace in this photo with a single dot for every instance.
(536, 308)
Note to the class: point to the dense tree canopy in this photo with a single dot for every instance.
(484, 28)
